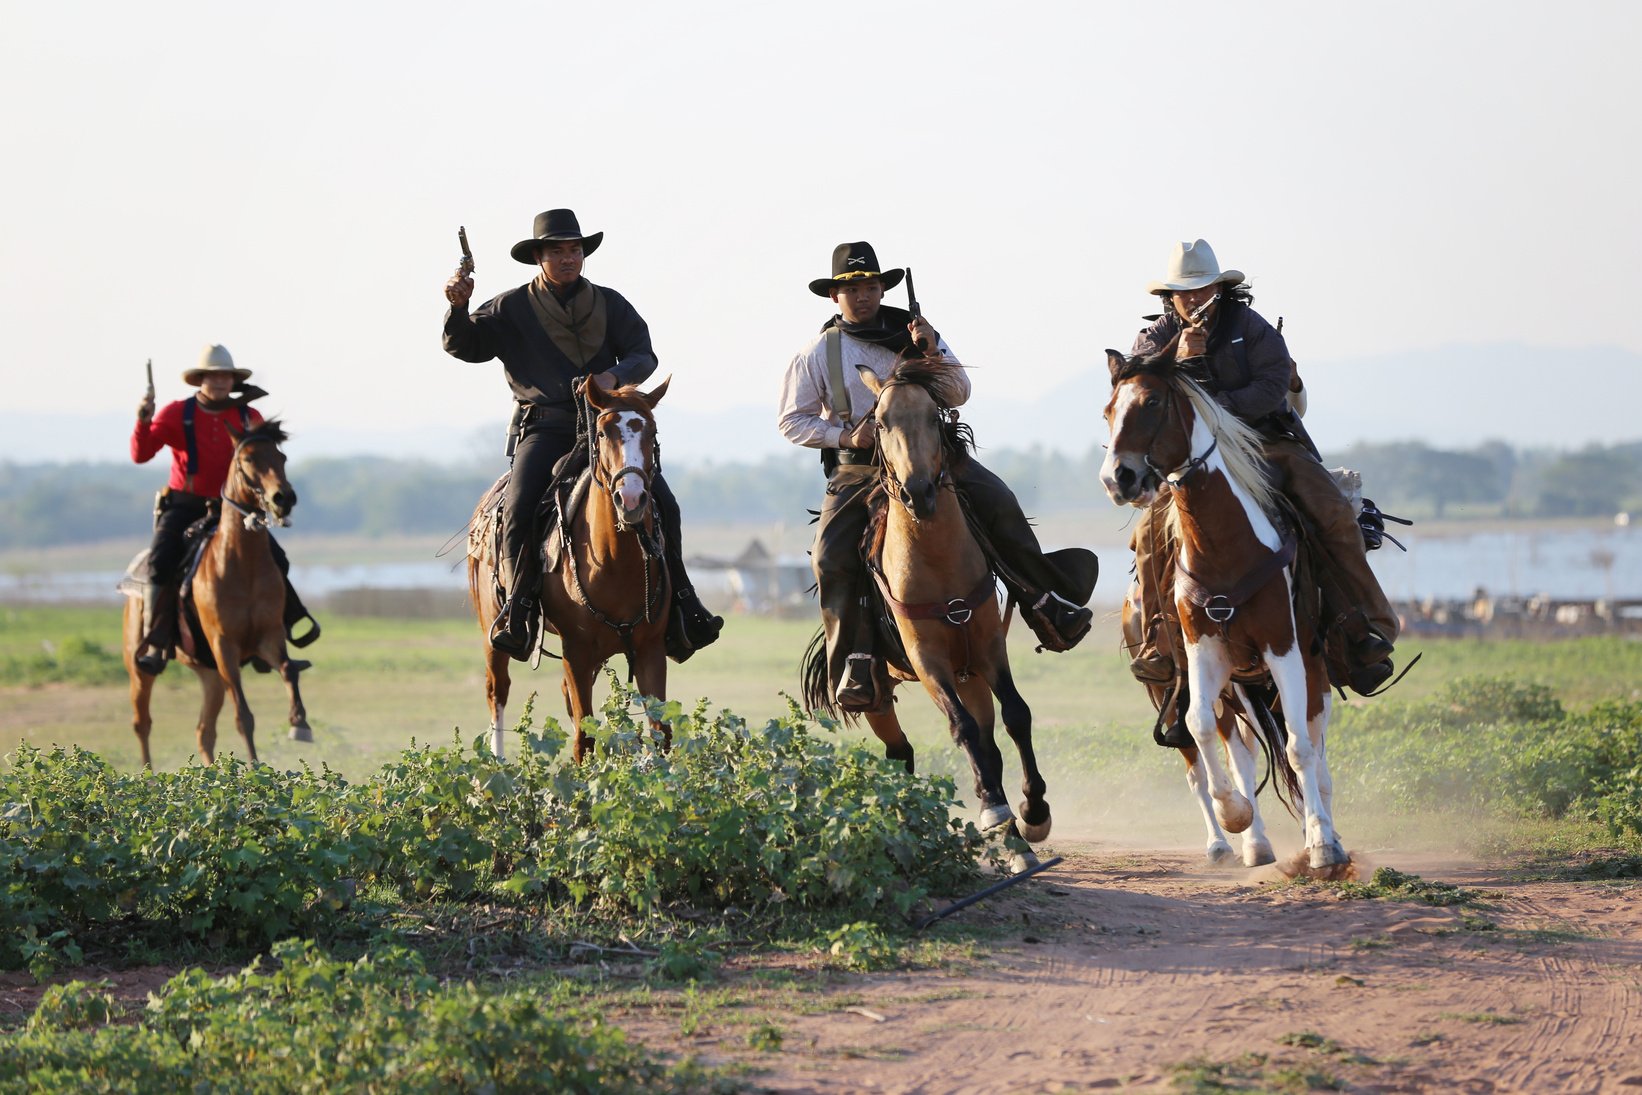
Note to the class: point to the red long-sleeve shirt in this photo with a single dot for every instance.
(214, 444)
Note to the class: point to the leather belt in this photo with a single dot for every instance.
(852, 456)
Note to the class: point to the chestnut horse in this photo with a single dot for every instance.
(239, 596)
(940, 590)
(1234, 582)
(604, 589)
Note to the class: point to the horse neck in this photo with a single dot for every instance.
(605, 538)
(1213, 508)
(939, 553)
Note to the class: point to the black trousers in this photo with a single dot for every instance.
(169, 549)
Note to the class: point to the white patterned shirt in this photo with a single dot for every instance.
(806, 416)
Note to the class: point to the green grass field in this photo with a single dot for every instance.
(380, 684)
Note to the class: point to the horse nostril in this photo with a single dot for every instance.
(1125, 477)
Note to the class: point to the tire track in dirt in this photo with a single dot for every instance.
(1106, 976)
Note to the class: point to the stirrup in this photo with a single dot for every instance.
(1152, 668)
(309, 636)
(153, 661)
(858, 687)
(511, 637)
(1058, 623)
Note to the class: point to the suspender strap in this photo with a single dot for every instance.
(188, 437)
(191, 444)
(837, 391)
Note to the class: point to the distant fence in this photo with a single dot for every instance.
(1537, 617)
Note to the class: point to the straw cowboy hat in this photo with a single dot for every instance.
(851, 262)
(216, 359)
(1192, 266)
(551, 227)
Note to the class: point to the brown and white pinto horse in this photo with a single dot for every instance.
(606, 591)
(239, 596)
(1234, 582)
(939, 587)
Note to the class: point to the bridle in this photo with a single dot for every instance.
(892, 482)
(254, 519)
(1193, 464)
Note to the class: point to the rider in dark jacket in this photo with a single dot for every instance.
(1244, 363)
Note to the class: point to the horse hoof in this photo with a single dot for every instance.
(1021, 862)
(1258, 855)
(1032, 828)
(302, 732)
(1329, 855)
(995, 817)
(1234, 812)
(1220, 853)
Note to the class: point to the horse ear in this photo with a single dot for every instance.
(595, 393)
(870, 379)
(1114, 362)
(237, 434)
(653, 396)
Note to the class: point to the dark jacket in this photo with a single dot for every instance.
(538, 371)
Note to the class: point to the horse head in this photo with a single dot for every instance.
(1151, 424)
(625, 463)
(256, 485)
(918, 433)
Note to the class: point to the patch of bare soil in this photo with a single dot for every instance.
(1152, 970)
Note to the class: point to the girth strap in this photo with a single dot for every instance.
(1219, 607)
(957, 611)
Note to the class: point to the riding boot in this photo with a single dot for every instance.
(159, 628)
(1153, 656)
(1052, 588)
(295, 613)
(515, 631)
(840, 583)
(689, 625)
(1177, 735)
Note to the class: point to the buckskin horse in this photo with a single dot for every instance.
(1234, 585)
(938, 586)
(238, 598)
(604, 586)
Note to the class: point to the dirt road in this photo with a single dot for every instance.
(1151, 971)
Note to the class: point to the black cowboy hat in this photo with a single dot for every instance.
(553, 225)
(850, 262)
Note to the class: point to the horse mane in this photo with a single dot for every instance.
(957, 438)
(269, 429)
(1240, 445)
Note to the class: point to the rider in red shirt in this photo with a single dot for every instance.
(196, 430)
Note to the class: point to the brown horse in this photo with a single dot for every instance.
(239, 596)
(939, 587)
(604, 589)
(1234, 583)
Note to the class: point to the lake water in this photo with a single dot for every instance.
(1567, 564)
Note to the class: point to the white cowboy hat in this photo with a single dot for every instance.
(1192, 266)
(215, 359)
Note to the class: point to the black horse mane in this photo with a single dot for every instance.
(957, 438)
(1162, 365)
(269, 429)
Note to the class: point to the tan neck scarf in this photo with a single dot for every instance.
(577, 327)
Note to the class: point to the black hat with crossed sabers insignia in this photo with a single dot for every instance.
(852, 262)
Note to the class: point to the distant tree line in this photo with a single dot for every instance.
(45, 505)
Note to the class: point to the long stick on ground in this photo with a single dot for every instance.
(988, 892)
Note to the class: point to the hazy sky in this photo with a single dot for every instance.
(287, 180)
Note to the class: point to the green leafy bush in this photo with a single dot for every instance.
(1495, 744)
(311, 1023)
(785, 818)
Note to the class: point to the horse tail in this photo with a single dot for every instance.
(1271, 730)
(813, 677)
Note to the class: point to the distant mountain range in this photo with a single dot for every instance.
(1452, 397)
